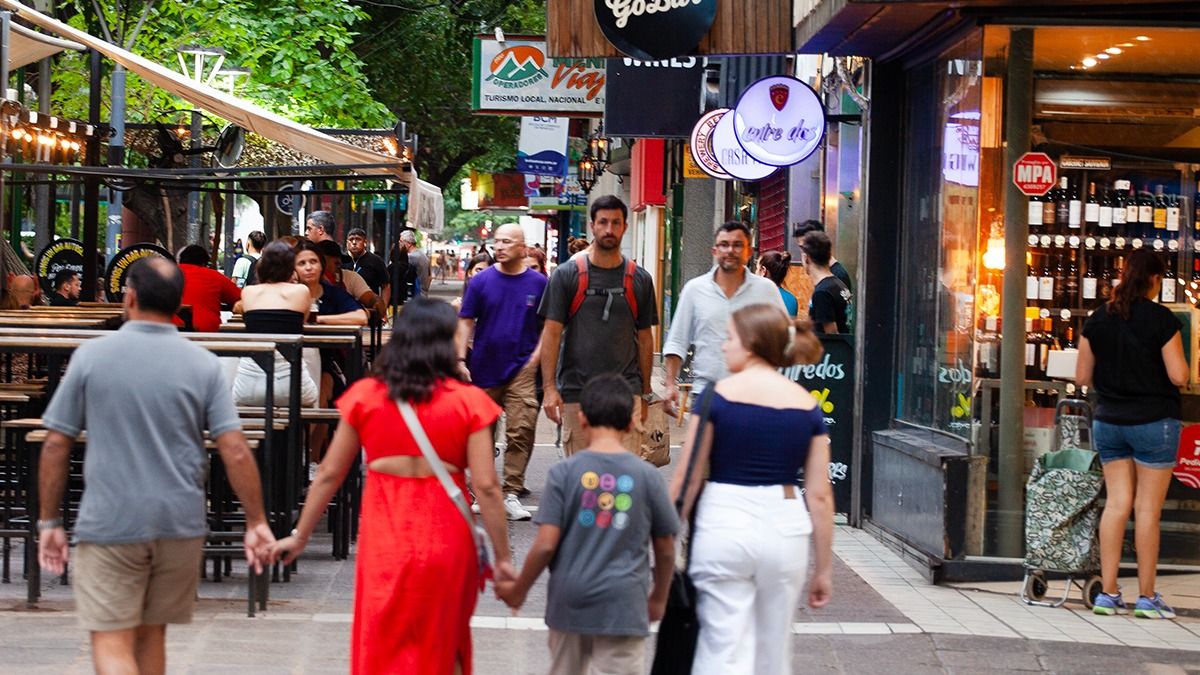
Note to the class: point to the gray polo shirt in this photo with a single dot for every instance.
(701, 318)
(145, 394)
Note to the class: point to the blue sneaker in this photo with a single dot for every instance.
(1109, 605)
(1153, 608)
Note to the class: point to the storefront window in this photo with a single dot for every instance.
(940, 222)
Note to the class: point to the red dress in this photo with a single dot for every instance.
(417, 575)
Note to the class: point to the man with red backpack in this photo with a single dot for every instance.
(600, 310)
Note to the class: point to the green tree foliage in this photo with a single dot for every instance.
(300, 54)
(418, 57)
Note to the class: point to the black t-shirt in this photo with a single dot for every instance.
(59, 300)
(839, 271)
(403, 278)
(592, 344)
(1130, 377)
(372, 269)
(830, 304)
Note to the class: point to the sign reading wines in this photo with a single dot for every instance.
(655, 29)
(1034, 174)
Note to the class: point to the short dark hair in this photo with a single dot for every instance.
(776, 264)
(607, 401)
(608, 202)
(818, 248)
(330, 249)
(735, 226)
(801, 229)
(356, 232)
(322, 220)
(192, 254)
(257, 239)
(158, 283)
(277, 263)
(63, 278)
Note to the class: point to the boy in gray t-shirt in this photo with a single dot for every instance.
(600, 509)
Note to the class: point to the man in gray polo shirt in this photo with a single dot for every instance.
(145, 395)
(705, 305)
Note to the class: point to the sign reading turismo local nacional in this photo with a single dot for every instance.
(655, 29)
(118, 267)
(779, 121)
(59, 256)
(515, 77)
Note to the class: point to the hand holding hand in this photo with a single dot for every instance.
(53, 550)
(820, 590)
(258, 544)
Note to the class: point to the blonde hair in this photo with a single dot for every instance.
(769, 333)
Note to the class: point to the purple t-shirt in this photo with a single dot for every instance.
(507, 325)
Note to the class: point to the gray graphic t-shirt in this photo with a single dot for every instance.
(608, 506)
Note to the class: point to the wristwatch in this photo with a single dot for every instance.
(49, 524)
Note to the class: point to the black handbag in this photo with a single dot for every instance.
(680, 626)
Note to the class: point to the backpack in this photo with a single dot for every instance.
(582, 289)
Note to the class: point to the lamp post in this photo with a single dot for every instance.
(587, 173)
(197, 56)
(229, 79)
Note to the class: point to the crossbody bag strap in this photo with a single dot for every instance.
(693, 459)
(435, 462)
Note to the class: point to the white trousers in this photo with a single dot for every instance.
(749, 564)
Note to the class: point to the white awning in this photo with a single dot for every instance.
(426, 210)
(26, 46)
(238, 111)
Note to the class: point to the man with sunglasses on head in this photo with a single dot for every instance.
(702, 316)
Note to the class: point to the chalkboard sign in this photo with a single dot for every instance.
(118, 267)
(59, 255)
(831, 382)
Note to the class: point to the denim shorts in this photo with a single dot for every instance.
(1152, 445)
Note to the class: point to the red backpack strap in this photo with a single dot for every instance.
(581, 285)
(630, 297)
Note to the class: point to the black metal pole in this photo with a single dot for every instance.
(91, 183)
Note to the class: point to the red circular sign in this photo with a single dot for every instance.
(1034, 174)
(1187, 461)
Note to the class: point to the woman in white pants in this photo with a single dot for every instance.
(750, 545)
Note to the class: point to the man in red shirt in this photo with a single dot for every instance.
(204, 289)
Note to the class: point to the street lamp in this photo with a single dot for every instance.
(600, 148)
(195, 71)
(230, 77)
(587, 173)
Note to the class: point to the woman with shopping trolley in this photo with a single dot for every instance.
(1131, 354)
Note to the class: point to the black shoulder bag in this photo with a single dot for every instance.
(680, 627)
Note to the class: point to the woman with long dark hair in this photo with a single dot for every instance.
(751, 534)
(774, 265)
(417, 576)
(1131, 355)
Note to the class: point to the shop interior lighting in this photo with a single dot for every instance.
(1126, 45)
(1103, 57)
(1113, 50)
(1088, 62)
(1142, 38)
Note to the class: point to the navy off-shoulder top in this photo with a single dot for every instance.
(760, 445)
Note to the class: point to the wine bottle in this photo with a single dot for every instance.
(1118, 215)
(1091, 211)
(1159, 210)
(1074, 209)
(1060, 282)
(1062, 203)
(1031, 284)
(1106, 281)
(1090, 283)
(1173, 215)
(1169, 286)
(1116, 273)
(1031, 351)
(1105, 214)
(1046, 284)
(1146, 211)
(1071, 283)
(1132, 210)
(1036, 212)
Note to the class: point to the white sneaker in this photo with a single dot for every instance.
(512, 507)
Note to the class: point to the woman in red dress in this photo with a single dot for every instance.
(417, 576)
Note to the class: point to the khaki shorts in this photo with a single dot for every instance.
(122, 586)
(573, 654)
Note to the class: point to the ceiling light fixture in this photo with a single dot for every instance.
(1103, 57)
(1127, 44)
(1142, 38)
(1113, 50)
(1088, 62)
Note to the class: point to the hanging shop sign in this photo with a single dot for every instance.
(732, 157)
(701, 147)
(542, 150)
(779, 121)
(118, 267)
(831, 382)
(1034, 174)
(59, 255)
(289, 200)
(690, 168)
(1085, 163)
(515, 77)
(673, 84)
(655, 29)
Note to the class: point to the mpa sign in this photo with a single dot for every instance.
(653, 30)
